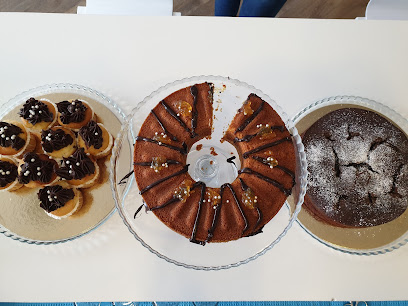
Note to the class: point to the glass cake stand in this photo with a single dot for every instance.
(229, 95)
(362, 241)
(21, 217)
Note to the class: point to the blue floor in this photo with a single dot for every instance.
(345, 303)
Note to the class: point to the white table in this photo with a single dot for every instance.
(296, 62)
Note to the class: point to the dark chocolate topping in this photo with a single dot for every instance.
(194, 92)
(174, 138)
(284, 169)
(8, 173)
(35, 111)
(54, 197)
(174, 115)
(265, 146)
(77, 166)
(169, 162)
(182, 150)
(200, 203)
(9, 136)
(184, 170)
(286, 191)
(54, 140)
(252, 117)
(92, 135)
(36, 169)
(71, 111)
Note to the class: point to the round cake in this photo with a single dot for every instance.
(358, 170)
(233, 210)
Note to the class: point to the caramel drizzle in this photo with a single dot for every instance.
(278, 185)
(169, 162)
(251, 136)
(184, 170)
(194, 92)
(265, 146)
(284, 169)
(244, 187)
(249, 120)
(174, 138)
(182, 150)
(174, 115)
(218, 207)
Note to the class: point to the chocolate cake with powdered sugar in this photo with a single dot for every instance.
(358, 164)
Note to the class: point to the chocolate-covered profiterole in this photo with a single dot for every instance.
(9, 136)
(53, 197)
(35, 111)
(55, 139)
(8, 173)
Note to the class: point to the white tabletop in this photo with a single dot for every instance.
(296, 62)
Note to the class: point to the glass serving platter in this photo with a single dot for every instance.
(21, 217)
(362, 241)
(229, 95)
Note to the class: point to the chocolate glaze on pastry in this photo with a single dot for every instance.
(54, 140)
(36, 169)
(8, 173)
(201, 213)
(9, 136)
(77, 166)
(92, 134)
(35, 111)
(358, 169)
(71, 111)
(54, 197)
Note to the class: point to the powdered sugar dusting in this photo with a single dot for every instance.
(358, 167)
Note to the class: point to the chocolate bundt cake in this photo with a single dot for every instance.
(201, 213)
(358, 169)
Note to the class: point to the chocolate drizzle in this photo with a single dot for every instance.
(145, 164)
(194, 92)
(265, 146)
(54, 197)
(8, 173)
(35, 111)
(193, 234)
(278, 185)
(92, 134)
(182, 150)
(284, 169)
(9, 136)
(36, 169)
(252, 117)
(174, 138)
(184, 170)
(54, 140)
(71, 112)
(174, 115)
(77, 166)
(251, 136)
